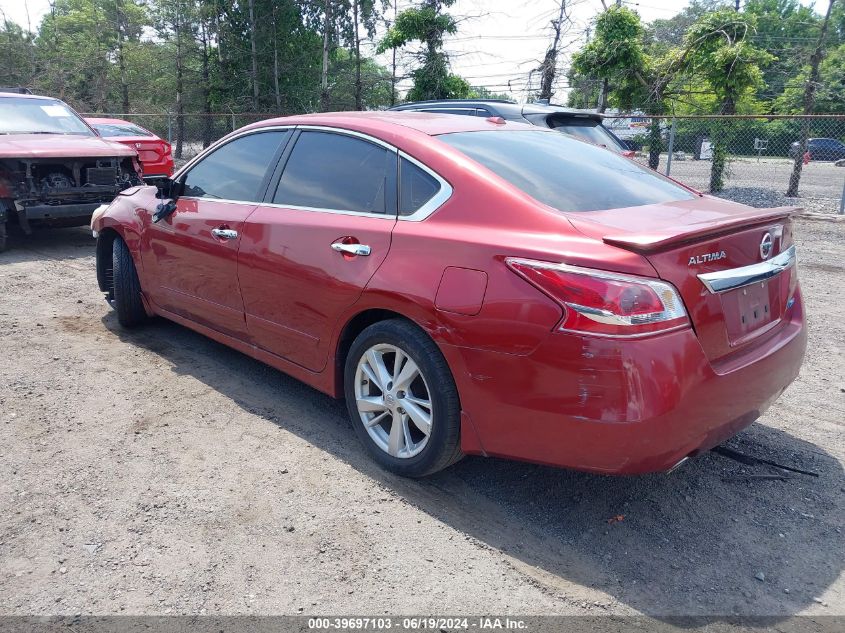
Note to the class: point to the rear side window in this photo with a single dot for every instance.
(416, 187)
(338, 172)
(565, 173)
(236, 170)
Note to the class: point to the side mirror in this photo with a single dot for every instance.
(168, 192)
(164, 210)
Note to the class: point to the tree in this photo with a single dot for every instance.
(427, 24)
(364, 13)
(84, 36)
(809, 104)
(720, 51)
(787, 30)
(636, 80)
(16, 53)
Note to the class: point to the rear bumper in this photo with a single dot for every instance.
(162, 169)
(621, 407)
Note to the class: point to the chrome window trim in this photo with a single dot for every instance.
(436, 201)
(420, 214)
(337, 130)
(293, 207)
(228, 139)
(340, 130)
(223, 200)
(725, 280)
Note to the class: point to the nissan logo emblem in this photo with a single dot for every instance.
(766, 246)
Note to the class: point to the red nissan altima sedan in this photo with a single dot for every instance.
(471, 286)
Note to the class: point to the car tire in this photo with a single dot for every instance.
(399, 442)
(126, 287)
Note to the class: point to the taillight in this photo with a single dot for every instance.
(167, 148)
(604, 303)
(629, 153)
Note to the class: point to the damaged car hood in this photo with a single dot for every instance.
(59, 146)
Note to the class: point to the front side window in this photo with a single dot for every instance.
(236, 170)
(338, 172)
(565, 173)
(416, 187)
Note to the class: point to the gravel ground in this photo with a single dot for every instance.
(157, 472)
(763, 183)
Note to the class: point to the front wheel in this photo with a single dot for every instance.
(402, 399)
(126, 288)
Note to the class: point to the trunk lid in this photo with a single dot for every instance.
(689, 238)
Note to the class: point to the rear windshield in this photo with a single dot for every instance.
(591, 131)
(19, 115)
(120, 129)
(566, 173)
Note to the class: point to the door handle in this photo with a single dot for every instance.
(352, 249)
(225, 234)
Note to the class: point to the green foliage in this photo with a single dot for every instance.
(787, 30)
(17, 55)
(427, 24)
(480, 92)
(617, 54)
(664, 34)
(829, 92)
(79, 44)
(721, 52)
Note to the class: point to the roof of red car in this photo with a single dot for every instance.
(426, 122)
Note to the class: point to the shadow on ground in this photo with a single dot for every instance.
(707, 539)
(64, 244)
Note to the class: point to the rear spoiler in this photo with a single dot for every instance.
(673, 236)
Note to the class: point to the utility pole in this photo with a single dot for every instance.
(549, 65)
(393, 68)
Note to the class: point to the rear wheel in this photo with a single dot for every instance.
(402, 399)
(126, 288)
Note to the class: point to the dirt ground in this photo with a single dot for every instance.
(158, 472)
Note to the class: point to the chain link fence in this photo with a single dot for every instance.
(189, 134)
(754, 156)
(750, 159)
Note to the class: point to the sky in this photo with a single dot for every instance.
(498, 42)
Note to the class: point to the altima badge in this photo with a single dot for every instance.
(706, 257)
(766, 246)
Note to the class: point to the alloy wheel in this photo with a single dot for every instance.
(393, 401)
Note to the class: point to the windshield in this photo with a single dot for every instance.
(120, 129)
(565, 173)
(39, 116)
